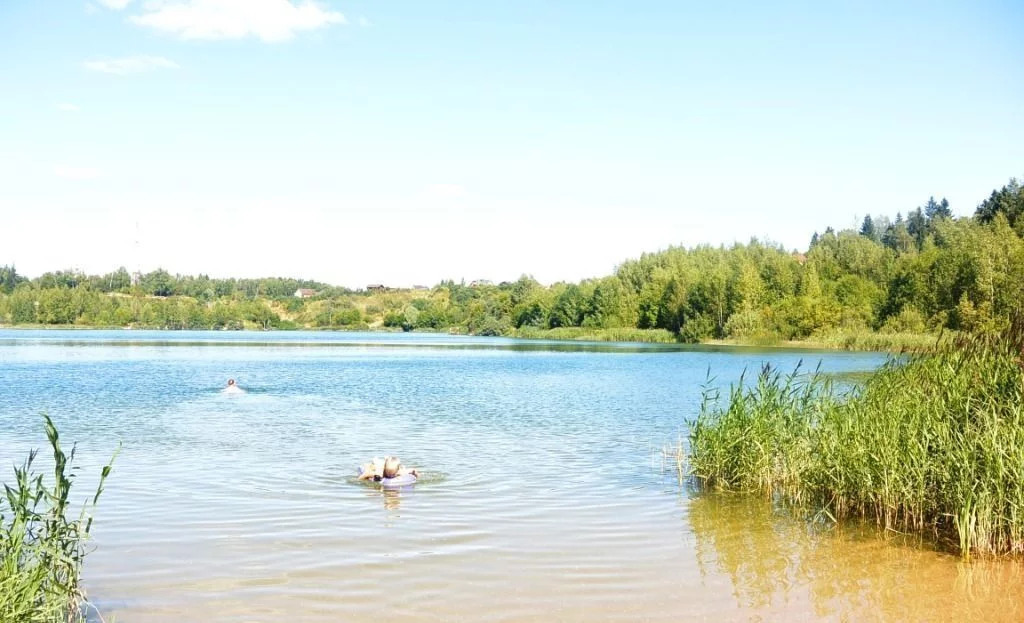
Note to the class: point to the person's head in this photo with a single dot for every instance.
(231, 382)
(391, 467)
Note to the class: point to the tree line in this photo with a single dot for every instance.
(917, 273)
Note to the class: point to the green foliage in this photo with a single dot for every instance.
(42, 547)
(865, 339)
(909, 320)
(867, 228)
(924, 273)
(748, 325)
(569, 308)
(934, 210)
(532, 312)
(22, 305)
(933, 442)
(491, 326)
(1008, 202)
(9, 279)
(611, 305)
(432, 315)
(653, 336)
(761, 440)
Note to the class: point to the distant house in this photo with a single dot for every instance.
(304, 293)
(480, 282)
(377, 287)
(420, 288)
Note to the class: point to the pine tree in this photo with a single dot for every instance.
(1008, 201)
(917, 226)
(867, 228)
(936, 210)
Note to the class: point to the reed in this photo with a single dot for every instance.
(761, 440)
(867, 340)
(932, 443)
(621, 334)
(42, 545)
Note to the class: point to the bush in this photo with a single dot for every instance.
(42, 549)
(909, 320)
(491, 326)
(747, 324)
(394, 319)
(697, 328)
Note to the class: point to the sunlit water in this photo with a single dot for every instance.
(544, 497)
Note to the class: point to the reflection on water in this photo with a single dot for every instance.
(541, 497)
(391, 497)
(780, 567)
(351, 339)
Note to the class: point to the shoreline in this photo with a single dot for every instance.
(865, 341)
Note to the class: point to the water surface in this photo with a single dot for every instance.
(544, 497)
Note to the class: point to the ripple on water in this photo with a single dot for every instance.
(543, 497)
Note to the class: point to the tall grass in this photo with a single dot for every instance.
(622, 334)
(761, 440)
(865, 339)
(857, 340)
(42, 547)
(932, 443)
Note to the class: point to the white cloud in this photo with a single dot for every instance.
(129, 65)
(76, 173)
(117, 5)
(66, 107)
(269, 20)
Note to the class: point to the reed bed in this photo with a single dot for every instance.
(42, 546)
(622, 334)
(868, 340)
(932, 443)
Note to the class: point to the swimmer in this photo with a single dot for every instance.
(390, 467)
(233, 387)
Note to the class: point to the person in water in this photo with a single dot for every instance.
(390, 467)
(233, 387)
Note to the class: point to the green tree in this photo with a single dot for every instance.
(157, 283)
(937, 210)
(569, 308)
(1008, 201)
(23, 304)
(867, 228)
(534, 310)
(611, 305)
(9, 279)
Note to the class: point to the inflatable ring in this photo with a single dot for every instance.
(398, 481)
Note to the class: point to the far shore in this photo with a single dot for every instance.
(868, 341)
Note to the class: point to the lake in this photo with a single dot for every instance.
(544, 497)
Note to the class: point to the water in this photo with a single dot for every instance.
(544, 495)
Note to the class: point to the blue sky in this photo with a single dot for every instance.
(409, 142)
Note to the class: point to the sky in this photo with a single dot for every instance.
(407, 142)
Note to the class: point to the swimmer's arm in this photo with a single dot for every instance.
(368, 472)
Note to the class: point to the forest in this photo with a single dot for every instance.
(911, 275)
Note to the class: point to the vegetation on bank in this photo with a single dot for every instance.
(910, 276)
(863, 339)
(932, 443)
(653, 336)
(42, 546)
